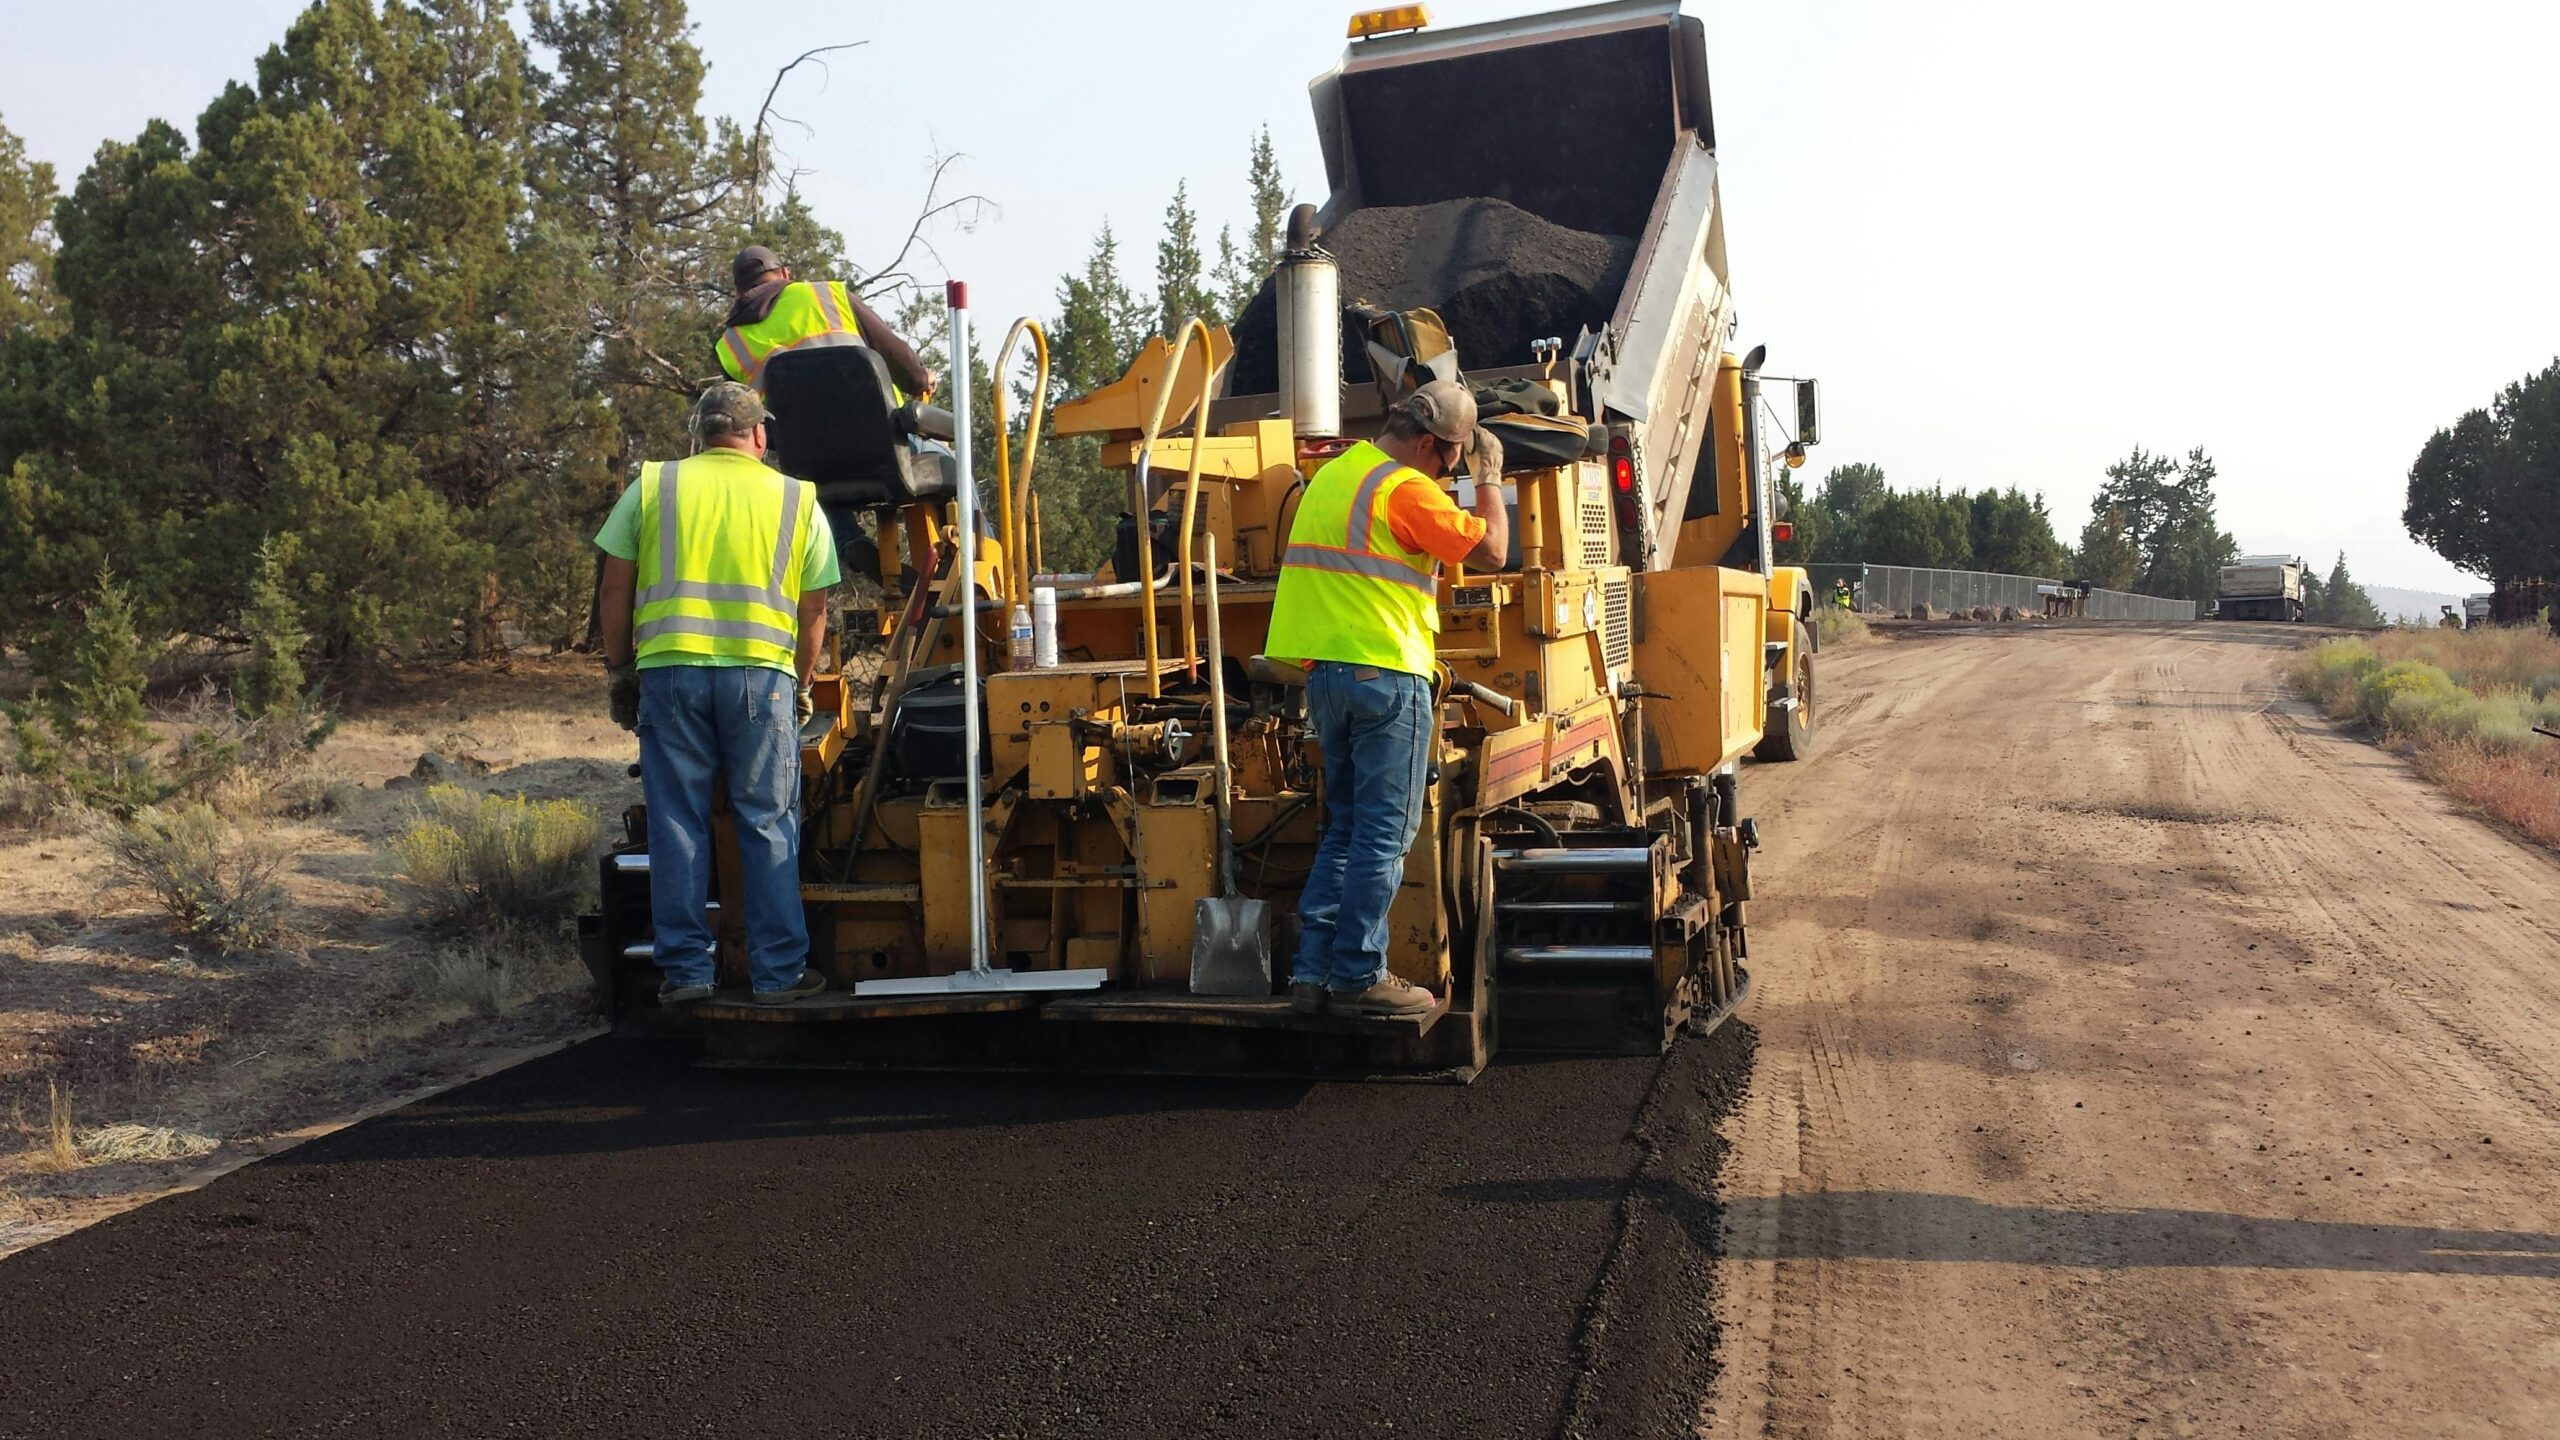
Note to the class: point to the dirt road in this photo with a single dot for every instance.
(2138, 1056)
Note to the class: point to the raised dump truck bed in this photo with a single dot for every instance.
(1595, 121)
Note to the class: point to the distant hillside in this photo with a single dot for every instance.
(2421, 606)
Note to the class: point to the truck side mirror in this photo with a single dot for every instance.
(1808, 413)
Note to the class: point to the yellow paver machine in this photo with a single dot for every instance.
(1582, 872)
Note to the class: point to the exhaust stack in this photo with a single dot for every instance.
(1309, 291)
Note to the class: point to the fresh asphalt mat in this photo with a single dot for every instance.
(613, 1241)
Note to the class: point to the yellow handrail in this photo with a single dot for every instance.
(1013, 491)
(1190, 499)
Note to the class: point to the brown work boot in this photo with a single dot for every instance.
(809, 983)
(1306, 997)
(1390, 997)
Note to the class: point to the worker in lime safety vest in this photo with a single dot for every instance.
(1359, 598)
(774, 312)
(715, 586)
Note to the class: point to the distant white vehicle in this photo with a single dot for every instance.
(2260, 587)
(2475, 609)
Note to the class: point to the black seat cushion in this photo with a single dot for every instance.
(836, 424)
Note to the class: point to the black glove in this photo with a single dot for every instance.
(622, 694)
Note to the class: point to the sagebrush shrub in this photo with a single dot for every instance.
(217, 885)
(494, 858)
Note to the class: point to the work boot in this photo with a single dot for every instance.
(672, 993)
(1390, 997)
(809, 983)
(1306, 997)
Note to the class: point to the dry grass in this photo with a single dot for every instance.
(2463, 703)
(134, 1144)
(61, 1152)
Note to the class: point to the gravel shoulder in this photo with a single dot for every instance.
(2140, 1055)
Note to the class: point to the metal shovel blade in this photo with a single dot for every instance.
(1231, 946)
(984, 982)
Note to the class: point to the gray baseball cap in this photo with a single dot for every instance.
(727, 408)
(1445, 408)
(750, 266)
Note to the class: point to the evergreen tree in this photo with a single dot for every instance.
(633, 178)
(27, 299)
(1100, 324)
(2108, 557)
(2343, 601)
(1179, 295)
(1270, 198)
(271, 682)
(2164, 511)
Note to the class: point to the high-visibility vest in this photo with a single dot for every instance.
(804, 315)
(1348, 590)
(721, 538)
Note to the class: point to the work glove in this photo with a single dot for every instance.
(1484, 457)
(807, 705)
(622, 693)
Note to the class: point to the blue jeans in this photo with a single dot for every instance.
(1375, 727)
(699, 723)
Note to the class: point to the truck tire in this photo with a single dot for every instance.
(1787, 732)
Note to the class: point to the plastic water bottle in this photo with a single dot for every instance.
(1044, 627)
(1021, 638)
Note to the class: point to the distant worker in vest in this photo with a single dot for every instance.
(774, 312)
(1840, 597)
(715, 587)
(1359, 598)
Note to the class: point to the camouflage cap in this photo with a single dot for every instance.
(727, 408)
(1445, 408)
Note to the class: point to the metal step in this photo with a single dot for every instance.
(1576, 957)
(1570, 907)
(1553, 860)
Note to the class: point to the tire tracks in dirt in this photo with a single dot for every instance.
(2127, 1040)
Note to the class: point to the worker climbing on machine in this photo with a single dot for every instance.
(774, 312)
(1359, 601)
(715, 583)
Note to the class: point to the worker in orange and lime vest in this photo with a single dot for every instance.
(1359, 598)
(774, 312)
(714, 612)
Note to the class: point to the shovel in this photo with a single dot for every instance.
(1230, 935)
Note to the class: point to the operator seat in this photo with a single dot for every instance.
(837, 424)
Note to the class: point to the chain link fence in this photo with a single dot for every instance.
(1895, 589)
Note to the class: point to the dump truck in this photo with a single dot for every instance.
(1080, 846)
(2259, 587)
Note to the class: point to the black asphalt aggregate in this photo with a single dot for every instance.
(613, 1241)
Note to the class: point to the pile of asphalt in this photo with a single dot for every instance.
(1500, 277)
(610, 1241)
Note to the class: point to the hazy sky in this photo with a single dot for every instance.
(2013, 239)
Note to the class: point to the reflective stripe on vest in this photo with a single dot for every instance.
(1366, 600)
(711, 562)
(805, 316)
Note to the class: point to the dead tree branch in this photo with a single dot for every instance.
(765, 113)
